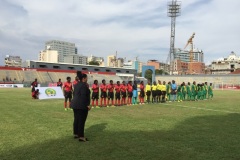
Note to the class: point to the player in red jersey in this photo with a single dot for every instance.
(59, 83)
(123, 92)
(110, 88)
(130, 92)
(67, 91)
(75, 81)
(117, 93)
(142, 93)
(95, 93)
(34, 84)
(35, 94)
(103, 88)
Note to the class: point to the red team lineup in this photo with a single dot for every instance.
(103, 95)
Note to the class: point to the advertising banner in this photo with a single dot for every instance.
(50, 92)
(11, 85)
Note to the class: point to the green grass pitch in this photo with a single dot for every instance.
(41, 129)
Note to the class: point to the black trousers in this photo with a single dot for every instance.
(80, 117)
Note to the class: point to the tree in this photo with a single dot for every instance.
(160, 72)
(94, 63)
(148, 75)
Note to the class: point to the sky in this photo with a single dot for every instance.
(133, 28)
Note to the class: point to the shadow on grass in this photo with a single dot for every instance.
(206, 137)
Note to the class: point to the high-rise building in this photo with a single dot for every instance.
(63, 48)
(48, 56)
(184, 55)
(13, 61)
(75, 59)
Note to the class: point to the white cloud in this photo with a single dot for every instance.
(136, 27)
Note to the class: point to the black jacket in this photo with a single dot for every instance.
(81, 96)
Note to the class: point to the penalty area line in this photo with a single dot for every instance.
(206, 109)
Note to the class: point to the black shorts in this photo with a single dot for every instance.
(148, 93)
(142, 94)
(117, 95)
(154, 93)
(95, 95)
(103, 94)
(163, 93)
(130, 94)
(124, 94)
(174, 92)
(159, 92)
(110, 95)
(68, 94)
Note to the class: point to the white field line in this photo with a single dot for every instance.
(206, 109)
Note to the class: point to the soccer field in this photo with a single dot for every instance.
(41, 129)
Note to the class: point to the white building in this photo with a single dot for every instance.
(48, 56)
(63, 48)
(13, 61)
(75, 59)
(226, 65)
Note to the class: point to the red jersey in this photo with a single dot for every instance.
(95, 88)
(103, 88)
(34, 84)
(75, 82)
(67, 86)
(141, 87)
(59, 84)
(129, 88)
(117, 88)
(110, 87)
(123, 88)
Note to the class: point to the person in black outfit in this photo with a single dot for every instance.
(80, 105)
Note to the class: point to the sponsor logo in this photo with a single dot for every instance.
(50, 92)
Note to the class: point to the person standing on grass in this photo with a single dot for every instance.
(59, 83)
(75, 81)
(206, 90)
(123, 93)
(174, 90)
(194, 91)
(95, 93)
(67, 92)
(210, 91)
(154, 92)
(135, 92)
(142, 93)
(163, 91)
(117, 94)
(189, 92)
(148, 91)
(168, 87)
(110, 88)
(158, 91)
(184, 91)
(81, 106)
(103, 88)
(179, 93)
(129, 92)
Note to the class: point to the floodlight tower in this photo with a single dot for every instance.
(174, 10)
